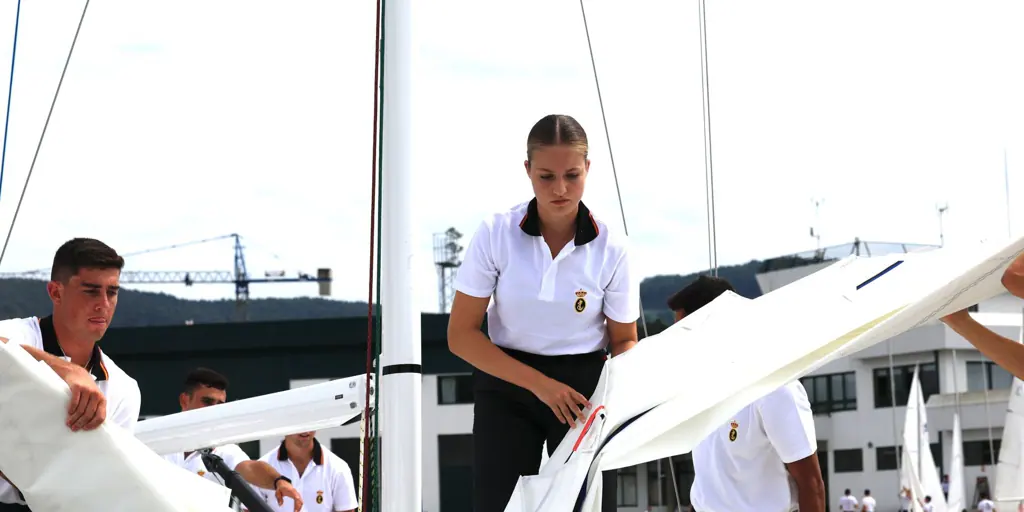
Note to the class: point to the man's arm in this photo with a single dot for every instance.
(789, 424)
(1005, 352)
(88, 407)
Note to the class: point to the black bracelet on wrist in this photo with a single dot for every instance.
(278, 479)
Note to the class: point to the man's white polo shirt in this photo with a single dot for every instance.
(740, 467)
(868, 504)
(326, 485)
(544, 305)
(232, 455)
(847, 503)
(122, 392)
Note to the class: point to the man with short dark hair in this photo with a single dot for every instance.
(702, 291)
(83, 287)
(205, 388)
(749, 463)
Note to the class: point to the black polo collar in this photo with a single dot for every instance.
(586, 226)
(52, 347)
(318, 453)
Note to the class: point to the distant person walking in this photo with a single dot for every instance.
(867, 503)
(847, 503)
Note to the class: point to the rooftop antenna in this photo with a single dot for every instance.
(942, 213)
(816, 228)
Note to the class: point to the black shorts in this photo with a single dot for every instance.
(510, 426)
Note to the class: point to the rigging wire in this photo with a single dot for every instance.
(608, 140)
(42, 135)
(622, 208)
(709, 174)
(367, 461)
(10, 89)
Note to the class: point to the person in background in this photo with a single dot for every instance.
(323, 478)
(945, 486)
(563, 297)
(985, 504)
(83, 287)
(1007, 353)
(867, 503)
(927, 506)
(906, 500)
(847, 503)
(206, 388)
(750, 463)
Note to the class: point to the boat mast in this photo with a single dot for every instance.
(401, 371)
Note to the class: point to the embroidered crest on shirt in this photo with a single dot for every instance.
(733, 433)
(319, 497)
(581, 302)
(201, 472)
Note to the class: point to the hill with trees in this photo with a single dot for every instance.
(23, 297)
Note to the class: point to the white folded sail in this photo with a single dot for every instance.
(104, 469)
(956, 500)
(918, 463)
(325, 405)
(1009, 489)
(664, 396)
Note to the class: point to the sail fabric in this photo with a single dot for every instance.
(304, 409)
(102, 469)
(924, 474)
(956, 499)
(910, 481)
(661, 398)
(1009, 487)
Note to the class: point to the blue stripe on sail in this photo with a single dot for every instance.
(880, 274)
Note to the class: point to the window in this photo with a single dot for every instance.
(848, 461)
(904, 376)
(347, 449)
(626, 483)
(978, 453)
(455, 389)
(888, 457)
(983, 375)
(831, 393)
(252, 449)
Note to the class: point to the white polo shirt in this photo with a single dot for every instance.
(122, 392)
(847, 503)
(927, 507)
(986, 506)
(544, 305)
(232, 455)
(740, 467)
(868, 503)
(326, 485)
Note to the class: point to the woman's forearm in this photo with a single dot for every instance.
(474, 348)
(1005, 352)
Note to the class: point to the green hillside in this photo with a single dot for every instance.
(20, 298)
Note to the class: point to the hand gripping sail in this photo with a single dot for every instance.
(673, 389)
(103, 469)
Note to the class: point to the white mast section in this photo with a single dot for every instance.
(401, 372)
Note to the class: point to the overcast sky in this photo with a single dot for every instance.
(186, 120)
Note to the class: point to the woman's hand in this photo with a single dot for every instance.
(565, 402)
